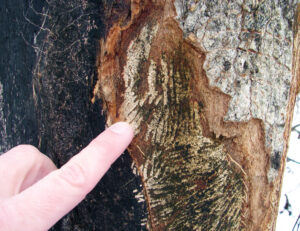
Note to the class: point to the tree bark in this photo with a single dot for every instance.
(48, 70)
(209, 87)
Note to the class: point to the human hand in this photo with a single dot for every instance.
(34, 194)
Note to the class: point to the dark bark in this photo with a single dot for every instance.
(48, 65)
(17, 118)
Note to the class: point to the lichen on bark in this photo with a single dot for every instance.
(249, 57)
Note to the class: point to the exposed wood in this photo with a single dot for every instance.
(209, 148)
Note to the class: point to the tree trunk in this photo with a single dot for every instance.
(209, 87)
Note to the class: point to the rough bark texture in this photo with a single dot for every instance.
(48, 66)
(209, 87)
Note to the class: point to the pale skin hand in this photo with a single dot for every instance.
(34, 194)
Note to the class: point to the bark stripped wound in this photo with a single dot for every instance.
(198, 171)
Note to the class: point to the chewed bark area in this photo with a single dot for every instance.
(198, 172)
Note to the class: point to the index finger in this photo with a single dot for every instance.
(42, 205)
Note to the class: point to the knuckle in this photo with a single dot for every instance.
(31, 152)
(74, 175)
(25, 148)
(101, 146)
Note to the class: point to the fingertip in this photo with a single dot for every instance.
(117, 137)
(103, 151)
(122, 128)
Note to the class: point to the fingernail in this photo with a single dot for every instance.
(120, 127)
